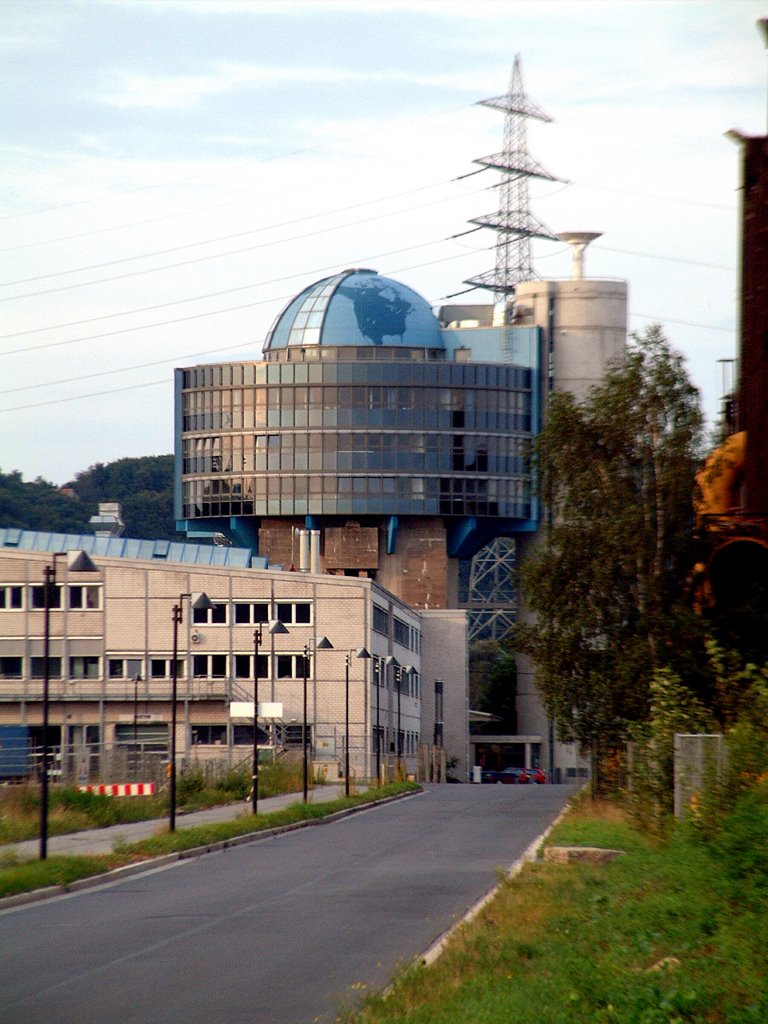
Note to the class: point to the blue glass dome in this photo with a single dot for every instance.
(356, 307)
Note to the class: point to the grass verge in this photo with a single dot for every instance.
(26, 876)
(666, 934)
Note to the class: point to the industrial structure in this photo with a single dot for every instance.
(733, 486)
(397, 437)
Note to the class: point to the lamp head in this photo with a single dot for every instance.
(322, 643)
(276, 626)
(361, 652)
(392, 660)
(200, 601)
(80, 561)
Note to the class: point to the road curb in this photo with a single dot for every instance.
(167, 859)
(527, 857)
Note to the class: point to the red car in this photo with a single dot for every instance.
(513, 777)
(536, 776)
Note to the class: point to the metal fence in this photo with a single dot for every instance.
(700, 760)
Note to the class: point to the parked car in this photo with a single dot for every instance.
(488, 775)
(537, 776)
(513, 777)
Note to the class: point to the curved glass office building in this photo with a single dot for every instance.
(365, 413)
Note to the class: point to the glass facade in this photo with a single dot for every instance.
(391, 431)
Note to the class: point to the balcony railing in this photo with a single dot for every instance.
(15, 690)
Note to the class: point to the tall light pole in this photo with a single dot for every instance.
(403, 670)
(394, 664)
(197, 601)
(317, 644)
(359, 652)
(377, 671)
(275, 626)
(77, 561)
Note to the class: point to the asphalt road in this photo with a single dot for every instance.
(281, 931)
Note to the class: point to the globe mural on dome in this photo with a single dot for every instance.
(379, 311)
(356, 307)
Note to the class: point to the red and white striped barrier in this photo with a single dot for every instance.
(122, 789)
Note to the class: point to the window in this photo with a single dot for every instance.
(38, 596)
(37, 668)
(297, 613)
(124, 668)
(84, 666)
(10, 667)
(162, 668)
(209, 666)
(244, 666)
(11, 598)
(292, 666)
(217, 615)
(293, 735)
(251, 613)
(86, 598)
(380, 620)
(207, 735)
(402, 633)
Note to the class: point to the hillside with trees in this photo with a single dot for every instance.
(143, 486)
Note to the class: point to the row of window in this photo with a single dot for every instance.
(17, 597)
(403, 633)
(408, 684)
(243, 613)
(359, 366)
(358, 495)
(403, 743)
(421, 417)
(203, 666)
(369, 452)
(365, 396)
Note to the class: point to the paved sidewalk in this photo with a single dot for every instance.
(102, 840)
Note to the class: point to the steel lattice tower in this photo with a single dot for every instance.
(514, 223)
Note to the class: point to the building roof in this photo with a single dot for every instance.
(123, 547)
(356, 307)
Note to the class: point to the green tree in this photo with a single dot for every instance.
(143, 486)
(606, 582)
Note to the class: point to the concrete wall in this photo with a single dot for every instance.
(588, 319)
(445, 657)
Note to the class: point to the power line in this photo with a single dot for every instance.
(215, 312)
(222, 255)
(237, 234)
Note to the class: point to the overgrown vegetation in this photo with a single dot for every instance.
(71, 811)
(669, 933)
(18, 877)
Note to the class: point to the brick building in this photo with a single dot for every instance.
(111, 656)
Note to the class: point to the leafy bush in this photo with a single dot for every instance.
(741, 848)
(190, 783)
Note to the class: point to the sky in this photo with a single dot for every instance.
(172, 172)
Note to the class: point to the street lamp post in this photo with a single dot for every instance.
(394, 664)
(77, 561)
(318, 644)
(377, 670)
(274, 627)
(403, 670)
(359, 652)
(197, 602)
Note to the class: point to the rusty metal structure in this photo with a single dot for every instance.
(732, 503)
